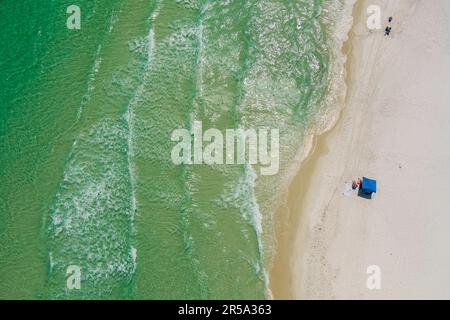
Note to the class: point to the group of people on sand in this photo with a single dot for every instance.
(388, 29)
(356, 184)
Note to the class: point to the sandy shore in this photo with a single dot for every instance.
(395, 127)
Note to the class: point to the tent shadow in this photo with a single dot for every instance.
(361, 194)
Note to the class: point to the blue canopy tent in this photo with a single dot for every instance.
(368, 186)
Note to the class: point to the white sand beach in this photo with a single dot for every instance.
(395, 127)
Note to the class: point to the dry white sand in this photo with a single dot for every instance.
(395, 128)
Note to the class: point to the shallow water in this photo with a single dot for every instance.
(85, 123)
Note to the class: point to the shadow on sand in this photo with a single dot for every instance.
(361, 194)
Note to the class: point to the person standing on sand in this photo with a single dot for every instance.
(388, 29)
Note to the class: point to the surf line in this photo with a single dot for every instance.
(255, 142)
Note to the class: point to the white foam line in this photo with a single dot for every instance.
(199, 64)
(256, 217)
(129, 160)
(137, 94)
(90, 87)
(200, 52)
(95, 68)
(151, 34)
(129, 118)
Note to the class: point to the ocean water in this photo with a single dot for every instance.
(85, 123)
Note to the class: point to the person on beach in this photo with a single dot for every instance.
(387, 31)
(356, 184)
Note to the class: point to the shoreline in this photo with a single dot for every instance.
(327, 240)
(289, 219)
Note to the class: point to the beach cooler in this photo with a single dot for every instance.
(368, 186)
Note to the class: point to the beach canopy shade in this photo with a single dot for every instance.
(369, 185)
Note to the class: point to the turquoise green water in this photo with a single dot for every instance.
(85, 123)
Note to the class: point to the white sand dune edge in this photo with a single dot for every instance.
(395, 128)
